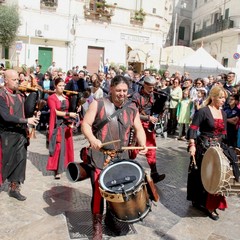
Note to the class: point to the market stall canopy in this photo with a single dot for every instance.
(199, 64)
(173, 54)
(201, 58)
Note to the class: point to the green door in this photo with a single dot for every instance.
(45, 58)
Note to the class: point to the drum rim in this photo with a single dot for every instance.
(139, 182)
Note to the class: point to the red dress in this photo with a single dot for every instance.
(204, 126)
(61, 150)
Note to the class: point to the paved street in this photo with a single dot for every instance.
(60, 209)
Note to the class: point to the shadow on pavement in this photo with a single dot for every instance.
(76, 208)
(40, 162)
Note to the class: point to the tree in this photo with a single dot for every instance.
(9, 23)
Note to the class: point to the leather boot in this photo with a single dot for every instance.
(156, 177)
(97, 227)
(112, 223)
(14, 191)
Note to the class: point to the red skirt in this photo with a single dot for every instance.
(215, 201)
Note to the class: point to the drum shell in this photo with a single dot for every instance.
(134, 209)
(77, 171)
(131, 204)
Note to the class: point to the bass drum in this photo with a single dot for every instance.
(216, 171)
(122, 184)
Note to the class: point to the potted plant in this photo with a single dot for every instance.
(139, 15)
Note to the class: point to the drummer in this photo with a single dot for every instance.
(118, 128)
(208, 128)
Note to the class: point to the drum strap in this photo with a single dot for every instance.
(109, 118)
(113, 123)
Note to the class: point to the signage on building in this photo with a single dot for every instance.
(236, 56)
(136, 38)
(18, 46)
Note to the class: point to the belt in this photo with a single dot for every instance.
(207, 142)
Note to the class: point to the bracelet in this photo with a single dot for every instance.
(191, 144)
(67, 114)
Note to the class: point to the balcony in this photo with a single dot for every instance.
(137, 17)
(219, 26)
(49, 4)
(99, 11)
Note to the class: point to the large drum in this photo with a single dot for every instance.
(122, 184)
(216, 171)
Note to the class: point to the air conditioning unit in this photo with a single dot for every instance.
(38, 33)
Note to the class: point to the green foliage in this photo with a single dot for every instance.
(8, 64)
(139, 15)
(10, 21)
(161, 71)
(123, 68)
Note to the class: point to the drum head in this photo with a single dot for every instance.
(211, 172)
(122, 176)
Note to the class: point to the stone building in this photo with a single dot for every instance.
(90, 32)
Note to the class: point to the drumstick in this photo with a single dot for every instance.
(135, 147)
(107, 143)
(194, 163)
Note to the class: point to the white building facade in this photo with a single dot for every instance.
(216, 26)
(88, 32)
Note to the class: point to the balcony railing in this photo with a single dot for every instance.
(49, 4)
(220, 25)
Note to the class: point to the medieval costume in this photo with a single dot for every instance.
(60, 136)
(14, 140)
(206, 131)
(145, 102)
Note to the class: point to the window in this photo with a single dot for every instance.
(227, 13)
(225, 62)
(196, 3)
(181, 33)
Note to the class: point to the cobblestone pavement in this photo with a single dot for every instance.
(60, 209)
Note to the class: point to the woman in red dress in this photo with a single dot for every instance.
(60, 132)
(208, 127)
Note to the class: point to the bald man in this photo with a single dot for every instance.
(13, 134)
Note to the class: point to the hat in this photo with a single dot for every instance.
(149, 80)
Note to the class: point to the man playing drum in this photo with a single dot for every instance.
(210, 121)
(117, 129)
